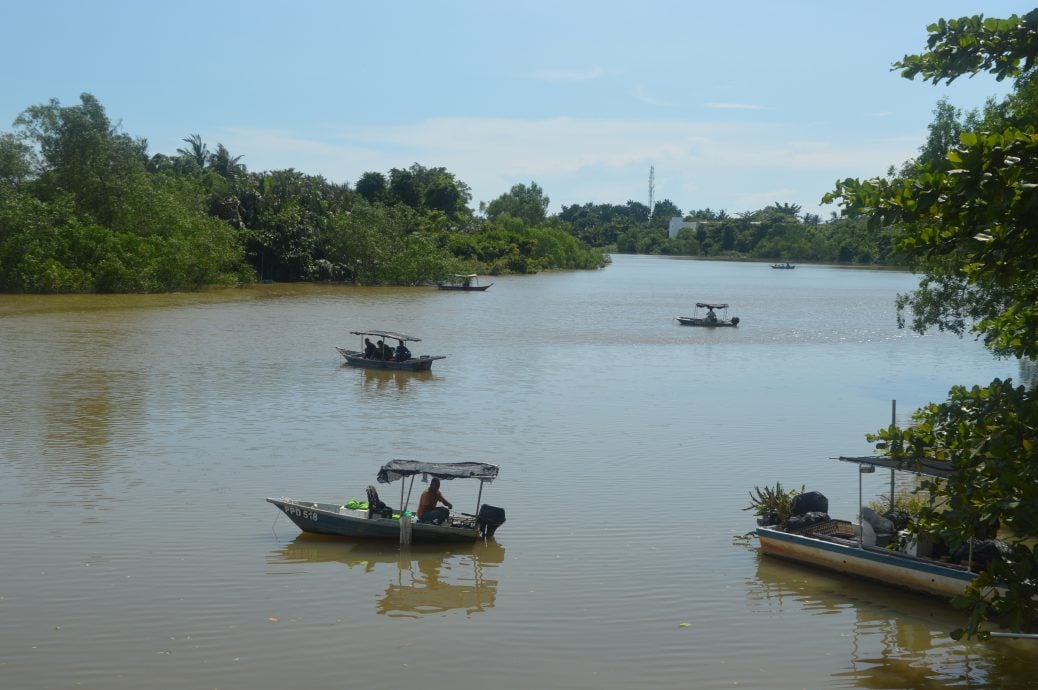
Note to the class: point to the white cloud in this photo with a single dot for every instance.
(699, 164)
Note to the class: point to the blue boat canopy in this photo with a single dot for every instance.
(397, 469)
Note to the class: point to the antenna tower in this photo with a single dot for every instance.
(652, 187)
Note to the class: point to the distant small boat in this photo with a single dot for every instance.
(709, 319)
(785, 265)
(465, 282)
(389, 358)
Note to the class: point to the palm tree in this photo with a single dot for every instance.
(789, 209)
(198, 152)
(224, 164)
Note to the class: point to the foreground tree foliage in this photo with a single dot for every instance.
(968, 222)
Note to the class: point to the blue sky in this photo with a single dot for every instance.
(737, 104)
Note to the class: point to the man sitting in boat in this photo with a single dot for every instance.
(711, 316)
(427, 509)
(402, 354)
(369, 349)
(385, 351)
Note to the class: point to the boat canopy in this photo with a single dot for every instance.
(466, 275)
(924, 466)
(704, 305)
(397, 469)
(387, 334)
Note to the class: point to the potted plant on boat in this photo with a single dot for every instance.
(773, 505)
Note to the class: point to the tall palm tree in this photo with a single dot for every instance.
(224, 164)
(198, 151)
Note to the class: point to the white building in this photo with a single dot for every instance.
(677, 223)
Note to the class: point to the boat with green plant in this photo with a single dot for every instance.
(796, 526)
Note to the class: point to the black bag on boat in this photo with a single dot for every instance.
(801, 522)
(376, 508)
(983, 551)
(809, 502)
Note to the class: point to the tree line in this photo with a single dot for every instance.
(84, 207)
(777, 232)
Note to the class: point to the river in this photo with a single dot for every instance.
(140, 435)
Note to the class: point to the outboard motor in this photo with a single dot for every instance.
(489, 519)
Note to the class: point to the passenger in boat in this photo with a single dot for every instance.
(427, 508)
(711, 316)
(369, 349)
(384, 351)
(402, 353)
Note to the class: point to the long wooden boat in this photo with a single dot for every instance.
(784, 266)
(709, 318)
(833, 546)
(393, 358)
(376, 520)
(465, 283)
(839, 546)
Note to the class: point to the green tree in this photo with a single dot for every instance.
(662, 212)
(83, 154)
(224, 164)
(197, 152)
(372, 186)
(944, 133)
(91, 217)
(16, 160)
(968, 224)
(529, 204)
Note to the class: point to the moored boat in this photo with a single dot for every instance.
(854, 550)
(465, 282)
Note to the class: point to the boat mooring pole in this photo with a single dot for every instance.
(893, 421)
(405, 521)
(859, 507)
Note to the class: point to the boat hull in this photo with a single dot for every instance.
(464, 288)
(874, 564)
(332, 520)
(693, 321)
(357, 359)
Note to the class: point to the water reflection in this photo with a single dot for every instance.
(896, 640)
(425, 578)
(380, 380)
